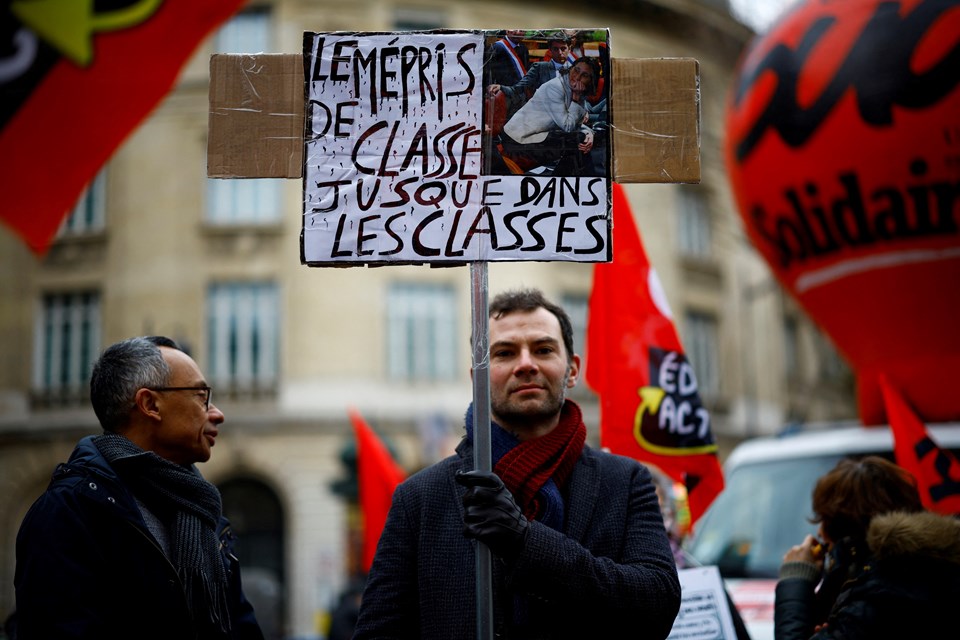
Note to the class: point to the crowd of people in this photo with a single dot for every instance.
(129, 539)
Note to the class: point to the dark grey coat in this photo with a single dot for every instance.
(609, 574)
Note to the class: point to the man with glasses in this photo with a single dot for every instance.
(129, 540)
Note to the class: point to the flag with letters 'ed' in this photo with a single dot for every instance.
(76, 78)
(650, 406)
(937, 471)
(377, 477)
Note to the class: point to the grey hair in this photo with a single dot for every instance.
(122, 370)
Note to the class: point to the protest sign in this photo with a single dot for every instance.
(704, 612)
(402, 165)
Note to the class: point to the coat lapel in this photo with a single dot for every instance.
(584, 495)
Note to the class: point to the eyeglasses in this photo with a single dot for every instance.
(207, 397)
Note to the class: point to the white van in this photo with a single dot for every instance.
(765, 509)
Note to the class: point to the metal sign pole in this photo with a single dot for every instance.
(482, 458)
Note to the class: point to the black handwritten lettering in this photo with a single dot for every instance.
(368, 64)
(336, 194)
(540, 244)
(881, 76)
(421, 197)
(387, 75)
(343, 120)
(362, 237)
(393, 234)
(465, 66)
(418, 147)
(400, 188)
(600, 238)
(356, 147)
(563, 228)
(488, 192)
(339, 58)
(337, 253)
(485, 215)
(418, 246)
(508, 221)
(365, 206)
(311, 118)
(811, 227)
(315, 75)
(449, 252)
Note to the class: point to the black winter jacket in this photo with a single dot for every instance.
(909, 587)
(88, 567)
(609, 574)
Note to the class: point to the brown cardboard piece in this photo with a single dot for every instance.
(256, 118)
(656, 113)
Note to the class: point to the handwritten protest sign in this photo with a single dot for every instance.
(402, 166)
(704, 612)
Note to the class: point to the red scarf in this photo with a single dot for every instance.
(530, 464)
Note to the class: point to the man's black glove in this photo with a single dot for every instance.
(491, 515)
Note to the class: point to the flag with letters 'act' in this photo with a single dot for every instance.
(650, 404)
(76, 78)
(937, 471)
(377, 477)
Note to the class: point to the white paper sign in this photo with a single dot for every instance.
(394, 166)
(704, 612)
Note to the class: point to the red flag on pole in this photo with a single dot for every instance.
(77, 83)
(649, 400)
(378, 475)
(937, 471)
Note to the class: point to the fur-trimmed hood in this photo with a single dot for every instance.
(926, 534)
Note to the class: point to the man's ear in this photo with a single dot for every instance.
(145, 402)
(573, 373)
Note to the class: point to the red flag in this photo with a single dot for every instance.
(378, 475)
(649, 401)
(937, 471)
(76, 85)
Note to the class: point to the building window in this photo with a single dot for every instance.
(421, 332)
(87, 216)
(701, 344)
(68, 342)
(243, 336)
(411, 19)
(694, 237)
(251, 201)
(577, 307)
(246, 32)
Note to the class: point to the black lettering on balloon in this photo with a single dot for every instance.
(877, 70)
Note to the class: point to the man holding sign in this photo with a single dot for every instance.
(572, 529)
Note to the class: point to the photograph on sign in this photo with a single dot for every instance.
(456, 146)
(545, 103)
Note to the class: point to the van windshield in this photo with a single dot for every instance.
(763, 510)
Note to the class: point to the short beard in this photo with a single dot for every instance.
(549, 409)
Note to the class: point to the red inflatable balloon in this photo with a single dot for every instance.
(843, 149)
